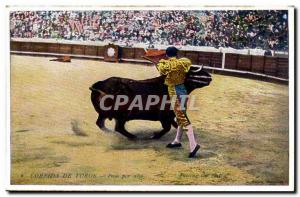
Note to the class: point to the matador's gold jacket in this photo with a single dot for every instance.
(174, 69)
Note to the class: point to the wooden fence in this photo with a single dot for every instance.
(277, 67)
(273, 66)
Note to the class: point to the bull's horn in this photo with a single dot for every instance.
(199, 68)
(198, 81)
(200, 76)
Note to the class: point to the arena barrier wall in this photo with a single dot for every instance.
(261, 67)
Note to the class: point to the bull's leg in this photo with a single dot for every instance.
(174, 123)
(120, 127)
(166, 124)
(101, 124)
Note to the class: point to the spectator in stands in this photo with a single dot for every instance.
(233, 28)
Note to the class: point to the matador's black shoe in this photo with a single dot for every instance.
(193, 153)
(175, 145)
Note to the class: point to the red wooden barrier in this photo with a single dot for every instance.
(273, 66)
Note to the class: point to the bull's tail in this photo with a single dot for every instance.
(96, 96)
(97, 90)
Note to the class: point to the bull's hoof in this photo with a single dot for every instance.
(105, 129)
(156, 136)
(133, 137)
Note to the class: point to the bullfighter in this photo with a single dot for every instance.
(175, 70)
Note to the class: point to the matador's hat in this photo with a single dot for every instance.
(171, 51)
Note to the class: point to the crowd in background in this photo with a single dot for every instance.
(265, 29)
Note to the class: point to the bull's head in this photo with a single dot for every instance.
(197, 77)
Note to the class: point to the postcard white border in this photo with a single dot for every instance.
(186, 188)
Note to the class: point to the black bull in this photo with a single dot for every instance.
(196, 78)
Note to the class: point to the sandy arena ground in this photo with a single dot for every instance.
(242, 125)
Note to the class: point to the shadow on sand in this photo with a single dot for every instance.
(144, 141)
